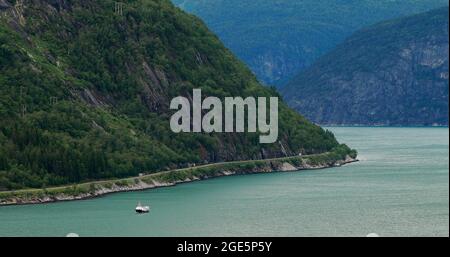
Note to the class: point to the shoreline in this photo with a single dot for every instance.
(171, 178)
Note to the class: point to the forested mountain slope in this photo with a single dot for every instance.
(393, 73)
(85, 88)
(279, 38)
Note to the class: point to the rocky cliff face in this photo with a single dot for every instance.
(394, 73)
(277, 39)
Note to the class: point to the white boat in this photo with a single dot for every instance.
(142, 209)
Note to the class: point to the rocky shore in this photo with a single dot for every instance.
(171, 178)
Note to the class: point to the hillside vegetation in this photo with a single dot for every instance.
(85, 90)
(393, 73)
(279, 38)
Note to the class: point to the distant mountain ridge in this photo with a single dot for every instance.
(278, 39)
(393, 73)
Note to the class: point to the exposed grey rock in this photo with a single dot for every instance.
(395, 73)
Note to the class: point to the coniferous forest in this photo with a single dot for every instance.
(85, 88)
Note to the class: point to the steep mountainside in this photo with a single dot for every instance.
(85, 88)
(279, 38)
(393, 73)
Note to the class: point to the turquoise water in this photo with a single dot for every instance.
(400, 188)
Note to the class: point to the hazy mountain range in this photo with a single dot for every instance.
(279, 38)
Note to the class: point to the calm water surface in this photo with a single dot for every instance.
(400, 188)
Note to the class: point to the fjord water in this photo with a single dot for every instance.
(399, 188)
